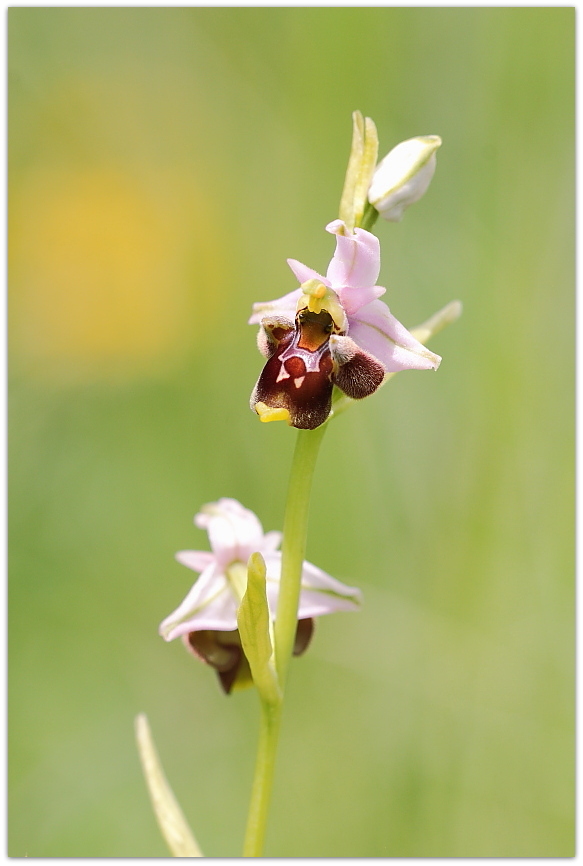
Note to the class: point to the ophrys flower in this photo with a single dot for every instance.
(207, 618)
(333, 330)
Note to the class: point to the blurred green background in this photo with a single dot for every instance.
(164, 162)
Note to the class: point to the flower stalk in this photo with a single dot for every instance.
(295, 531)
(263, 779)
(293, 550)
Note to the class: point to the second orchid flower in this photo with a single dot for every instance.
(207, 618)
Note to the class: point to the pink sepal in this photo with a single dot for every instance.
(210, 604)
(377, 331)
(357, 260)
(284, 306)
(320, 593)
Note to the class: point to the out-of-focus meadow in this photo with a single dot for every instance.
(164, 163)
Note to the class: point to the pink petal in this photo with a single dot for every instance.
(334, 594)
(314, 603)
(357, 260)
(284, 306)
(353, 298)
(304, 273)
(377, 331)
(210, 604)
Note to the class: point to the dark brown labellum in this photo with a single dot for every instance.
(304, 364)
(297, 377)
(222, 650)
(304, 633)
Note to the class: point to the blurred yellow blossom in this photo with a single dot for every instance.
(99, 265)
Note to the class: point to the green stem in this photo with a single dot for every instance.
(263, 780)
(295, 530)
(369, 218)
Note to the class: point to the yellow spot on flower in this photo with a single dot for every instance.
(317, 297)
(267, 413)
(314, 294)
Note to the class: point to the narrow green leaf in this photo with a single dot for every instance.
(169, 815)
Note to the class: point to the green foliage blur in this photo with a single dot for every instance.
(163, 164)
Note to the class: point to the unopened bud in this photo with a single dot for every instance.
(402, 177)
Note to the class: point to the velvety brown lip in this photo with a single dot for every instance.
(302, 369)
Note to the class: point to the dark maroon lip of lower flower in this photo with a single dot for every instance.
(222, 650)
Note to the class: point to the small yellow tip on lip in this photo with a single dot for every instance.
(267, 413)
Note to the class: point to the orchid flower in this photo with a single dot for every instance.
(207, 618)
(333, 330)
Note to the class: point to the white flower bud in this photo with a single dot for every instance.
(402, 177)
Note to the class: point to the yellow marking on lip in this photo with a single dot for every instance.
(267, 413)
